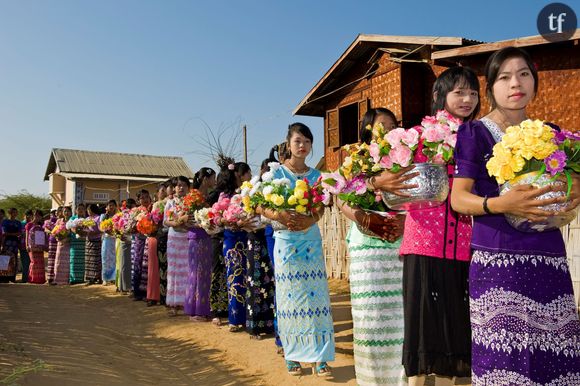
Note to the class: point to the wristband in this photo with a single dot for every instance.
(485, 207)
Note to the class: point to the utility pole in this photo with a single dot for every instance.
(245, 133)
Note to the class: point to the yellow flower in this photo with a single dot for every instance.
(503, 165)
(299, 193)
(247, 184)
(303, 201)
(268, 197)
(301, 184)
(292, 200)
(278, 200)
(300, 209)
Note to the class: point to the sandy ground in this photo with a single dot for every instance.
(81, 335)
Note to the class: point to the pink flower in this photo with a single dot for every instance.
(386, 162)
(394, 136)
(333, 182)
(429, 121)
(374, 151)
(438, 159)
(401, 155)
(451, 140)
(431, 134)
(410, 137)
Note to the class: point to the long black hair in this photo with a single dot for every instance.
(369, 119)
(447, 81)
(226, 181)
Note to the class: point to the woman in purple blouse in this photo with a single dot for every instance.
(525, 328)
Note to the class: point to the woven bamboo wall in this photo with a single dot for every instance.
(334, 227)
(571, 235)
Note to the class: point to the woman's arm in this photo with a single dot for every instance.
(519, 201)
(390, 229)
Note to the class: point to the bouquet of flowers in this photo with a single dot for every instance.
(107, 226)
(534, 146)
(157, 212)
(187, 205)
(276, 194)
(77, 226)
(59, 231)
(133, 216)
(146, 225)
(47, 226)
(353, 192)
(438, 138)
(535, 153)
(120, 221)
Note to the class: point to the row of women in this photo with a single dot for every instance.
(461, 293)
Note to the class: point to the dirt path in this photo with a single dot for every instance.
(92, 336)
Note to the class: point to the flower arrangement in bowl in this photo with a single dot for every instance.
(107, 226)
(537, 154)
(78, 227)
(434, 151)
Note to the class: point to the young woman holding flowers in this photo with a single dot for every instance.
(139, 249)
(123, 247)
(153, 277)
(108, 255)
(376, 275)
(218, 293)
(77, 245)
(200, 256)
(524, 320)
(436, 253)
(302, 298)
(177, 247)
(93, 264)
(11, 231)
(62, 260)
(52, 242)
(260, 291)
(36, 245)
(235, 247)
(162, 239)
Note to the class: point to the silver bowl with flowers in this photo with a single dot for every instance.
(559, 219)
(431, 191)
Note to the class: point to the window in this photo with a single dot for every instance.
(101, 196)
(348, 124)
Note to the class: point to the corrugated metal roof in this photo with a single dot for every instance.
(120, 164)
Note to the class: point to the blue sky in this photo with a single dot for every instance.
(142, 76)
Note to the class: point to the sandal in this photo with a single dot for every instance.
(294, 368)
(216, 321)
(172, 312)
(234, 328)
(323, 370)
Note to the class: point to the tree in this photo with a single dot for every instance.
(23, 200)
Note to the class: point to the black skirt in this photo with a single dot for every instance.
(436, 308)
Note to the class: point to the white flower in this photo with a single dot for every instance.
(267, 177)
(274, 166)
(244, 192)
(281, 181)
(255, 180)
(255, 189)
(268, 190)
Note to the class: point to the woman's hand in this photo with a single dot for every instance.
(387, 228)
(394, 182)
(574, 198)
(522, 200)
(300, 222)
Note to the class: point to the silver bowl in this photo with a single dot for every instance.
(523, 224)
(432, 189)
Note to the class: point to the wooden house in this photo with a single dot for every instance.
(398, 72)
(77, 176)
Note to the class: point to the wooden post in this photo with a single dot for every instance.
(245, 132)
